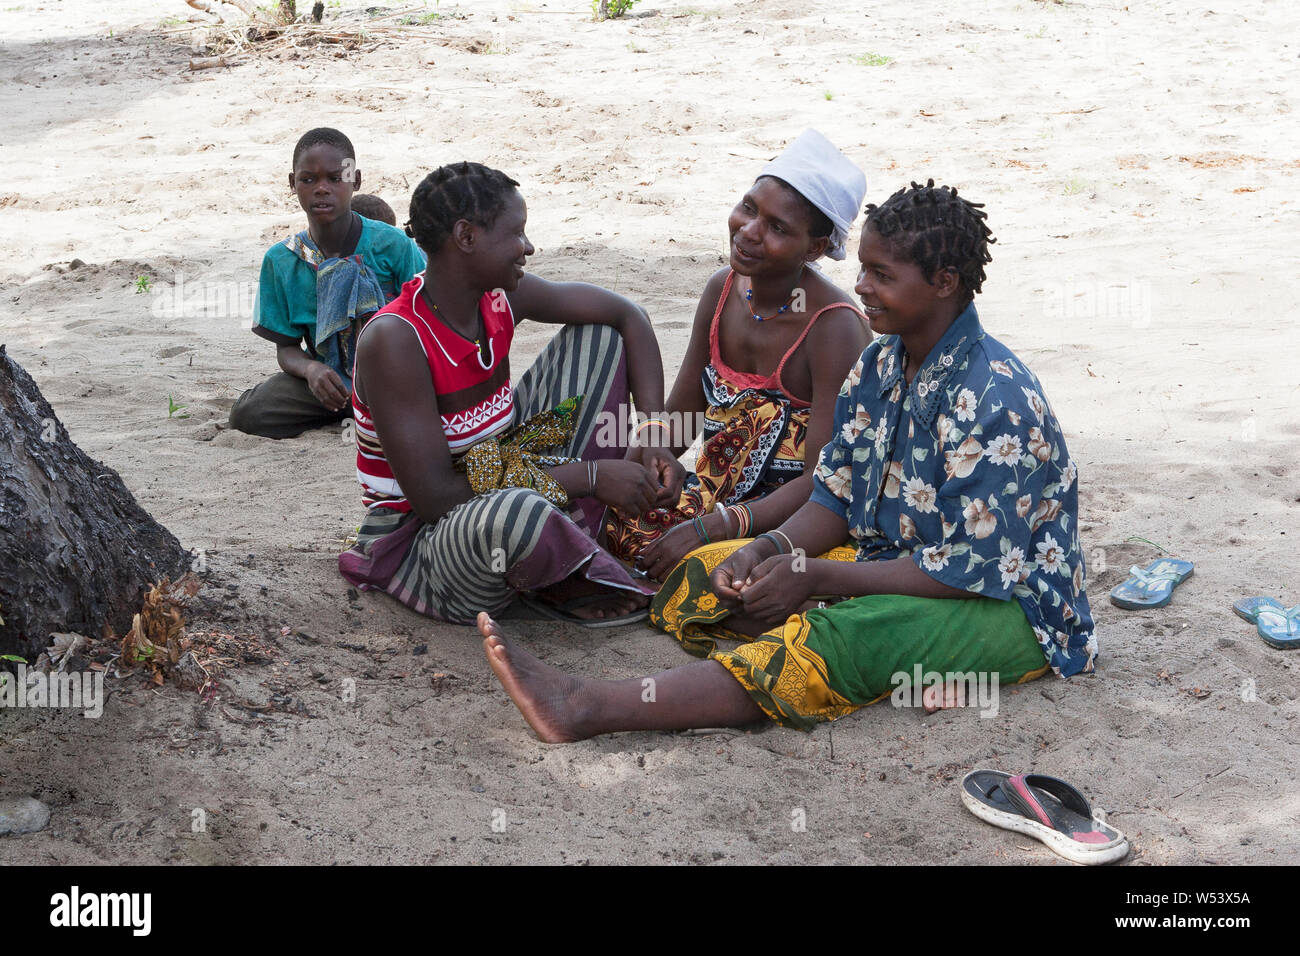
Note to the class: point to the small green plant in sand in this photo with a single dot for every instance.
(610, 9)
(1074, 187)
(872, 59)
(828, 94)
(1040, 35)
(1158, 547)
(4, 675)
(173, 408)
(422, 19)
(141, 285)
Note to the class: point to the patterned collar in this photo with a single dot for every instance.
(944, 359)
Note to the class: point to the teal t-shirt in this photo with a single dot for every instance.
(285, 311)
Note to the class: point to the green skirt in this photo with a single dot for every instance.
(828, 662)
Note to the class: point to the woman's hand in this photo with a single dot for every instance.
(326, 385)
(626, 486)
(778, 587)
(728, 579)
(670, 473)
(667, 552)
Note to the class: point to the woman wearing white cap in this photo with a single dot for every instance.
(772, 342)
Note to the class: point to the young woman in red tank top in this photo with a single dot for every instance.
(459, 520)
(772, 342)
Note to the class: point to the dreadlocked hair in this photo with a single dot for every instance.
(937, 230)
(323, 134)
(450, 193)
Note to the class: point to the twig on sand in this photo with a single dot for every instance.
(266, 33)
(1208, 776)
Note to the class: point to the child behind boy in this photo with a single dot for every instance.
(316, 290)
(372, 207)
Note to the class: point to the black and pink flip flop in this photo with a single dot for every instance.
(1046, 809)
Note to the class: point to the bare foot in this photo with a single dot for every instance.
(945, 697)
(544, 695)
(607, 601)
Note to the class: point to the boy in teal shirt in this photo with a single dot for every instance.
(316, 290)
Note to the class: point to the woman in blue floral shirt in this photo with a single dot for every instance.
(948, 474)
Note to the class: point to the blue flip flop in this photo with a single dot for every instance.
(1279, 626)
(1152, 586)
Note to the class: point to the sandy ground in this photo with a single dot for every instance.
(1139, 166)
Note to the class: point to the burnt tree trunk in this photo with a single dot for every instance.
(75, 547)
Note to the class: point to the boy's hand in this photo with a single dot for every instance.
(326, 385)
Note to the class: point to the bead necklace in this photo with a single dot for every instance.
(477, 340)
(749, 298)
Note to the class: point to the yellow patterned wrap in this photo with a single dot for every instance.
(512, 460)
(686, 606)
(786, 678)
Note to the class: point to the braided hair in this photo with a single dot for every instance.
(330, 137)
(937, 230)
(469, 191)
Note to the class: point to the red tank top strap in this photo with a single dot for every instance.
(740, 380)
(799, 341)
(715, 352)
(749, 379)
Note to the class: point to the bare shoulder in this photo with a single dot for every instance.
(822, 292)
(389, 350)
(385, 332)
(840, 327)
(712, 291)
(708, 303)
(716, 282)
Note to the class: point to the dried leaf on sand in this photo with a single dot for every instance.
(157, 638)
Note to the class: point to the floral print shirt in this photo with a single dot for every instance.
(967, 471)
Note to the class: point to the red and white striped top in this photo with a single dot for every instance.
(475, 397)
